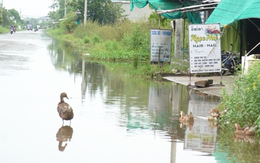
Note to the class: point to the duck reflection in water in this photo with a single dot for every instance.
(188, 124)
(187, 120)
(63, 135)
(245, 138)
(245, 134)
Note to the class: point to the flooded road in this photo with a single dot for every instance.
(116, 119)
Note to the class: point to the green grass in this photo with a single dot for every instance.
(3, 30)
(243, 103)
(124, 42)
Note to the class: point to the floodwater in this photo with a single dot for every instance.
(117, 119)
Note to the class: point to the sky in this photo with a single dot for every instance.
(29, 8)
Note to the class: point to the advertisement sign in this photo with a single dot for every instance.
(160, 45)
(204, 48)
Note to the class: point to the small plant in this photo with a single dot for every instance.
(135, 61)
(111, 45)
(96, 39)
(86, 40)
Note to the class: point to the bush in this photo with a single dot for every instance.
(243, 103)
(111, 45)
(138, 39)
(69, 23)
(86, 40)
(96, 39)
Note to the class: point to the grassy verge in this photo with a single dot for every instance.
(3, 30)
(125, 42)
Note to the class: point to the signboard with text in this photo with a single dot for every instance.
(160, 45)
(204, 48)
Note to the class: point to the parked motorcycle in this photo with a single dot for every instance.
(229, 62)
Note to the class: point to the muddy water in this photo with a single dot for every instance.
(117, 119)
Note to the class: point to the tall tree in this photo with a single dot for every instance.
(59, 7)
(13, 13)
(103, 11)
(7, 22)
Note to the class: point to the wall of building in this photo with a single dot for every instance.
(137, 13)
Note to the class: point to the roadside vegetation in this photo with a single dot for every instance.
(243, 104)
(121, 42)
(108, 36)
(123, 46)
(3, 30)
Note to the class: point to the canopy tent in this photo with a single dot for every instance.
(193, 17)
(229, 11)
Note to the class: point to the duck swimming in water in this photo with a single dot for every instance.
(64, 109)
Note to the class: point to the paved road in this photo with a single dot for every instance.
(18, 49)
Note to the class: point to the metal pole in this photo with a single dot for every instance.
(65, 9)
(85, 12)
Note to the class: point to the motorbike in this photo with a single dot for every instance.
(11, 31)
(229, 62)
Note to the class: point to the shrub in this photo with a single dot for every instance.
(69, 23)
(86, 40)
(243, 103)
(111, 45)
(96, 39)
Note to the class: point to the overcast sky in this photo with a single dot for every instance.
(30, 8)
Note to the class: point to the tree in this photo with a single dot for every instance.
(1, 18)
(102, 11)
(13, 13)
(7, 22)
(59, 6)
(69, 22)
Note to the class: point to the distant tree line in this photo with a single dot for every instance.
(101, 11)
(10, 17)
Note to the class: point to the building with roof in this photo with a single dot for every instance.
(136, 14)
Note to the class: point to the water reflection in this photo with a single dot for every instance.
(188, 125)
(64, 135)
(202, 136)
(236, 148)
(140, 108)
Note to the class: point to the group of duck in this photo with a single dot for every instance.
(215, 114)
(66, 113)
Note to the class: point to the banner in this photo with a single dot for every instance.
(160, 45)
(204, 48)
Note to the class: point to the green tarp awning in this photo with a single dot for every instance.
(193, 17)
(229, 11)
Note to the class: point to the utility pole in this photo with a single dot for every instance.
(65, 9)
(85, 12)
(178, 31)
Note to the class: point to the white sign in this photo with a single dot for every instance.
(204, 48)
(160, 45)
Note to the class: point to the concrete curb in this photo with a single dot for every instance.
(215, 89)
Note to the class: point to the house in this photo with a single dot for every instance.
(44, 19)
(136, 14)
